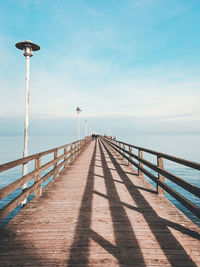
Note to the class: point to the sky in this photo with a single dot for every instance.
(127, 63)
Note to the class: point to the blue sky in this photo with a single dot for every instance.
(133, 59)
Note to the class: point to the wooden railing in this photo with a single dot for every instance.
(125, 150)
(69, 153)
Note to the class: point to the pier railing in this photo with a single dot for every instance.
(126, 151)
(40, 174)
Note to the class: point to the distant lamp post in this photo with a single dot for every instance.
(28, 47)
(89, 131)
(78, 110)
(86, 128)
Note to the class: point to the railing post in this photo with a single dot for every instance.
(140, 154)
(38, 190)
(130, 157)
(115, 143)
(118, 147)
(160, 164)
(124, 147)
(121, 150)
(56, 164)
(71, 152)
(77, 148)
(65, 151)
(80, 145)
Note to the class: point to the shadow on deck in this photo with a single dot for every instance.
(150, 243)
(127, 249)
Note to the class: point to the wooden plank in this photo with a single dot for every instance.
(25, 193)
(140, 156)
(94, 216)
(38, 190)
(161, 178)
(185, 202)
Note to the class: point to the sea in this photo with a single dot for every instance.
(183, 146)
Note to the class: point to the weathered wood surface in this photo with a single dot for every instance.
(161, 185)
(166, 156)
(99, 213)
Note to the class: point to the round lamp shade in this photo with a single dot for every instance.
(22, 45)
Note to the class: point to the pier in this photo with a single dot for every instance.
(99, 210)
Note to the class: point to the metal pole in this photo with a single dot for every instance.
(78, 126)
(86, 128)
(26, 123)
(28, 47)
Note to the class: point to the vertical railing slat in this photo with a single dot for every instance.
(38, 190)
(56, 164)
(130, 157)
(65, 152)
(160, 164)
(124, 148)
(140, 154)
(71, 153)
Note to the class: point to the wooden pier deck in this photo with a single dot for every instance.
(99, 212)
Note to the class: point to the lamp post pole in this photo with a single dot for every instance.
(86, 128)
(78, 115)
(28, 47)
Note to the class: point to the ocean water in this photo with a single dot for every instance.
(11, 148)
(184, 146)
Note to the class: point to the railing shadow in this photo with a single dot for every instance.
(169, 241)
(139, 187)
(127, 248)
(79, 251)
(126, 241)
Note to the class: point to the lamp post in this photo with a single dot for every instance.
(89, 130)
(28, 47)
(78, 114)
(86, 128)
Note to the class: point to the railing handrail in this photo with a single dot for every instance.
(15, 163)
(67, 156)
(182, 161)
(161, 172)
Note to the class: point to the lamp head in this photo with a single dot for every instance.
(78, 110)
(28, 47)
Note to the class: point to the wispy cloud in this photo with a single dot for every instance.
(109, 63)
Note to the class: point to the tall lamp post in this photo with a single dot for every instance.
(78, 114)
(28, 47)
(89, 130)
(86, 128)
